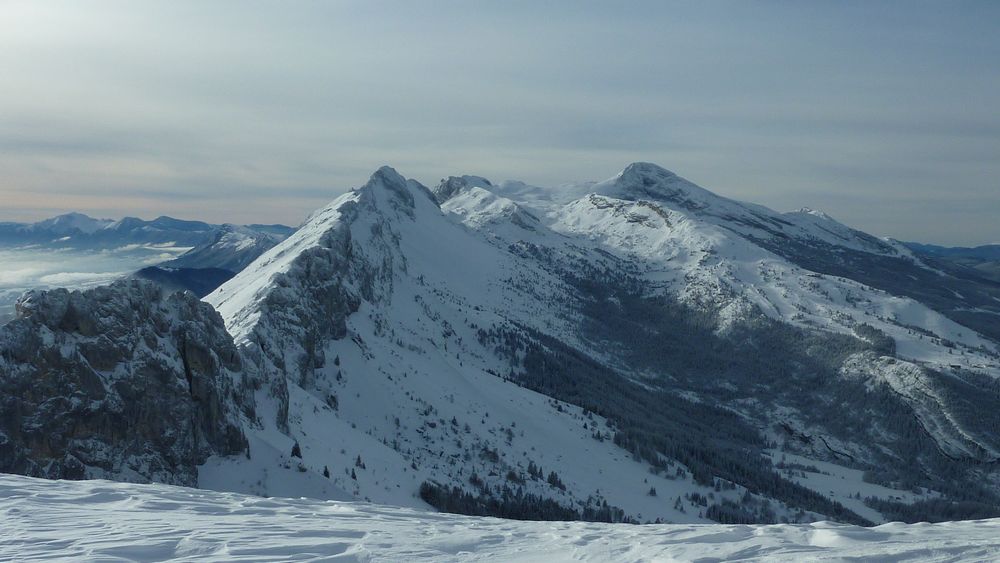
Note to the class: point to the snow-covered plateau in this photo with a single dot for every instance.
(108, 521)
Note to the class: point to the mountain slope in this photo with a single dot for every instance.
(981, 261)
(371, 331)
(232, 248)
(200, 281)
(637, 349)
(395, 296)
(207, 266)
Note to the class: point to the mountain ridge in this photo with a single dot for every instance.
(80, 230)
(401, 201)
(457, 348)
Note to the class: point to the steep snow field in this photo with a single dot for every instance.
(106, 521)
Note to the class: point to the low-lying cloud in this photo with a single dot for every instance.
(27, 268)
(78, 279)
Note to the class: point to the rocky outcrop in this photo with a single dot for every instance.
(344, 255)
(127, 382)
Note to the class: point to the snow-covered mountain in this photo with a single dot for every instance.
(69, 224)
(980, 261)
(637, 348)
(232, 248)
(78, 251)
(76, 230)
(212, 263)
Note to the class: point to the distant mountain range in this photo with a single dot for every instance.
(979, 260)
(216, 252)
(213, 262)
(76, 230)
(636, 349)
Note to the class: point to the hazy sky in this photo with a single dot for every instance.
(883, 114)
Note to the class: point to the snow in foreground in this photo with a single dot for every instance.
(107, 521)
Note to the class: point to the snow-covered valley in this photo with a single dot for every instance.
(108, 521)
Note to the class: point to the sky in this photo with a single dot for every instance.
(885, 115)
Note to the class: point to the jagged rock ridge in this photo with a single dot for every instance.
(123, 382)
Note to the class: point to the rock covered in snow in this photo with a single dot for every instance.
(123, 381)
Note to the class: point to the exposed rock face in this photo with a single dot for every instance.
(319, 277)
(124, 382)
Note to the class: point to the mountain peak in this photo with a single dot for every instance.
(647, 181)
(815, 213)
(399, 190)
(68, 222)
(644, 170)
(454, 184)
(650, 178)
(387, 174)
(72, 216)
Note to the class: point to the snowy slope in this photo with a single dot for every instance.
(405, 384)
(682, 237)
(365, 331)
(630, 349)
(101, 520)
(232, 248)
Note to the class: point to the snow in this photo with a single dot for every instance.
(102, 520)
(842, 484)
(374, 420)
(410, 360)
(409, 363)
(71, 222)
(241, 294)
(696, 256)
(429, 368)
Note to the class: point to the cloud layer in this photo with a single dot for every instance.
(882, 114)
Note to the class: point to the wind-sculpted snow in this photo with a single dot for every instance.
(100, 520)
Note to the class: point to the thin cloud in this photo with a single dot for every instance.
(263, 111)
